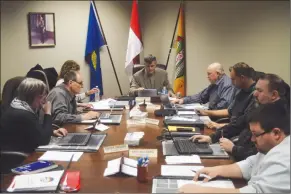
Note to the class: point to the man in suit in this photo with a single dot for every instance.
(150, 77)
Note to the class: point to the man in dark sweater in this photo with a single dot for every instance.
(20, 129)
(270, 88)
(242, 77)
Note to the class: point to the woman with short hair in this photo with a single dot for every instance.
(20, 127)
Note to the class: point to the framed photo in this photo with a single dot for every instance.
(41, 29)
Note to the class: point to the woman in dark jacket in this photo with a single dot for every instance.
(20, 128)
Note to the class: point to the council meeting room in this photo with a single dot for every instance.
(145, 96)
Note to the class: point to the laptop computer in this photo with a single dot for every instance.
(147, 93)
(75, 139)
(187, 146)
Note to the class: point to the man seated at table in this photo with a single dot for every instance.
(266, 172)
(62, 97)
(218, 94)
(150, 77)
(242, 78)
(270, 88)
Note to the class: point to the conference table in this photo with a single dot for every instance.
(92, 165)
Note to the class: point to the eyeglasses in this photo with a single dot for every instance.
(258, 135)
(80, 83)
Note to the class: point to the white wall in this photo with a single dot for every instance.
(257, 33)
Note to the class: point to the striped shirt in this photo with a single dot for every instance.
(219, 95)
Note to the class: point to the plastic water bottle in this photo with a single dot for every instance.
(164, 91)
(97, 95)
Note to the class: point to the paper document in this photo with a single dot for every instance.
(194, 159)
(205, 119)
(135, 121)
(187, 113)
(194, 106)
(177, 170)
(101, 127)
(60, 156)
(46, 181)
(89, 121)
(214, 183)
(177, 118)
(127, 166)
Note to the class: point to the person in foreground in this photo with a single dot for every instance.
(269, 170)
(270, 88)
(219, 93)
(150, 77)
(20, 128)
(64, 105)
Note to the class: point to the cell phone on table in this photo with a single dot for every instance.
(181, 129)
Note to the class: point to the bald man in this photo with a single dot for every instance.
(219, 93)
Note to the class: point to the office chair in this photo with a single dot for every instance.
(10, 92)
(137, 68)
(11, 159)
(161, 66)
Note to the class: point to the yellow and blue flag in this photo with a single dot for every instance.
(92, 54)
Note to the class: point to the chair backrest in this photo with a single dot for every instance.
(10, 92)
(161, 66)
(11, 159)
(39, 74)
(137, 68)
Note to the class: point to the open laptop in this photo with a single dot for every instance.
(147, 93)
(187, 146)
(75, 139)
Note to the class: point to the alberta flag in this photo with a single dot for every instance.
(92, 54)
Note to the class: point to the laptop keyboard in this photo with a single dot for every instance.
(104, 115)
(188, 147)
(76, 139)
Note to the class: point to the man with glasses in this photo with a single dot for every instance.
(62, 97)
(150, 77)
(266, 172)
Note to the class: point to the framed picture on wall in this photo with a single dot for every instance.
(41, 29)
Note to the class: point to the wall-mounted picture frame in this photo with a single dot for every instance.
(41, 29)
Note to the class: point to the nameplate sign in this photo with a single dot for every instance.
(152, 121)
(151, 153)
(115, 148)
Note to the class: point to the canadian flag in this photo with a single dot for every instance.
(134, 46)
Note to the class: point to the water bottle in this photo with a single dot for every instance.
(164, 91)
(97, 95)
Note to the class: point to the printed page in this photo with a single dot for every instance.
(177, 170)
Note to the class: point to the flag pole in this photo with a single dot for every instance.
(170, 49)
(105, 41)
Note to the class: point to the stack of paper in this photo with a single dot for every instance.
(133, 139)
(60, 156)
(194, 159)
(177, 170)
(46, 181)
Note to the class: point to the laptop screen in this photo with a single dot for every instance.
(147, 93)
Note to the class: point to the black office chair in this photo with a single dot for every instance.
(161, 66)
(137, 68)
(11, 159)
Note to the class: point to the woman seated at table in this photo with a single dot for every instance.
(20, 129)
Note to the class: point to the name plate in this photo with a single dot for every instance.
(151, 153)
(152, 121)
(116, 148)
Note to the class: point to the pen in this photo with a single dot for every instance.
(221, 133)
(202, 175)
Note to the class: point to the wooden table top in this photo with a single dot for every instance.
(92, 165)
